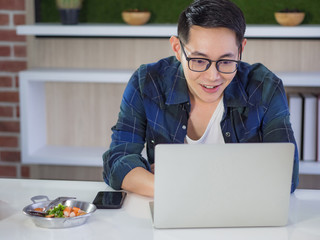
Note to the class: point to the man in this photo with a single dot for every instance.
(204, 94)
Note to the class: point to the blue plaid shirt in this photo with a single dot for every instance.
(156, 105)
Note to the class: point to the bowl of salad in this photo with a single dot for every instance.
(68, 213)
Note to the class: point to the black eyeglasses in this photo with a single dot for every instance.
(227, 66)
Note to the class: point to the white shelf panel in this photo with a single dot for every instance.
(309, 167)
(290, 79)
(67, 155)
(77, 75)
(158, 30)
(98, 30)
(300, 79)
(277, 31)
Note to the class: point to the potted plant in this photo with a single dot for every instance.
(69, 11)
(289, 17)
(136, 16)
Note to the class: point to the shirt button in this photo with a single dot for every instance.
(228, 134)
(152, 141)
(184, 127)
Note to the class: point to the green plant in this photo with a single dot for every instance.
(135, 10)
(68, 4)
(288, 10)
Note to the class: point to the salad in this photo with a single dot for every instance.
(62, 211)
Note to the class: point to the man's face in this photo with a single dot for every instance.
(213, 44)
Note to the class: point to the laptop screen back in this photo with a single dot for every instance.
(222, 185)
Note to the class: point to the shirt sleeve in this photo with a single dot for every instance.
(277, 126)
(128, 137)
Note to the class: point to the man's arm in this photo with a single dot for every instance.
(140, 181)
(124, 167)
(277, 127)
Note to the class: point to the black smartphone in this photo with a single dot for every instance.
(109, 199)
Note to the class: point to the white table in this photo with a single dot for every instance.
(133, 221)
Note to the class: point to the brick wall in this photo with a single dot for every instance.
(12, 60)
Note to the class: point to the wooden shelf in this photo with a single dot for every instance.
(158, 30)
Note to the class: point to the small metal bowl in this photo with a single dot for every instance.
(44, 222)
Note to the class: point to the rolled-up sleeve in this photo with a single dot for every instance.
(128, 137)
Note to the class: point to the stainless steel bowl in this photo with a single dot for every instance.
(44, 222)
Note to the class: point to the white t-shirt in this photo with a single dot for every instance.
(213, 133)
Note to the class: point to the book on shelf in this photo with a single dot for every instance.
(318, 128)
(296, 117)
(309, 136)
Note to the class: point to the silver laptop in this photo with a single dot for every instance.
(222, 185)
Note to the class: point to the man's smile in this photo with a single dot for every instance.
(210, 88)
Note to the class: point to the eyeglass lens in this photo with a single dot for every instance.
(202, 64)
(223, 66)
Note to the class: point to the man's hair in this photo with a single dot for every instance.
(211, 14)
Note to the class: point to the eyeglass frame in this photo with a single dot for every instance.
(211, 61)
